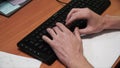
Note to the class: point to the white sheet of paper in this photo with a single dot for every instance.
(8, 60)
(102, 50)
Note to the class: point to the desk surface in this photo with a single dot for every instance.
(14, 28)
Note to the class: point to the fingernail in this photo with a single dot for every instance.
(43, 36)
(48, 28)
(58, 23)
(77, 28)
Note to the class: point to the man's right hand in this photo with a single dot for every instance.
(95, 22)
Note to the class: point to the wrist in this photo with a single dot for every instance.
(80, 62)
(74, 62)
(111, 22)
(106, 19)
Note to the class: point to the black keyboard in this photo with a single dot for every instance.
(33, 43)
(2, 1)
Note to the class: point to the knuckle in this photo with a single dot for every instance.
(59, 24)
(74, 9)
(87, 11)
(55, 27)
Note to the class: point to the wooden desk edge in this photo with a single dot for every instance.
(116, 62)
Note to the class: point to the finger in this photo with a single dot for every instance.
(77, 16)
(77, 34)
(51, 32)
(57, 30)
(71, 12)
(46, 39)
(62, 27)
(83, 13)
(87, 30)
(49, 41)
(59, 52)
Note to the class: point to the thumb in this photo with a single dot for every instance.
(77, 34)
(86, 30)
